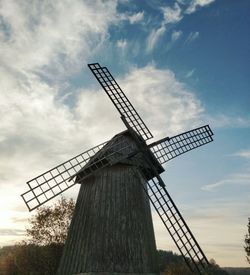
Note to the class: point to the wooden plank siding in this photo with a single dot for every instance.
(111, 230)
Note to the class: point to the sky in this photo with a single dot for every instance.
(183, 64)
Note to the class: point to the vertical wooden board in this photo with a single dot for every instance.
(111, 230)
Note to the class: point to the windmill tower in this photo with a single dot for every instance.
(111, 231)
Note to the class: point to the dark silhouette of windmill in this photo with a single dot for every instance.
(111, 229)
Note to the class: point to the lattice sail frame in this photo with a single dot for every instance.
(120, 100)
(174, 222)
(60, 178)
(176, 225)
(169, 148)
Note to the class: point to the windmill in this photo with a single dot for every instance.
(111, 230)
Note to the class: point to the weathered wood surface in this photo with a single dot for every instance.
(111, 230)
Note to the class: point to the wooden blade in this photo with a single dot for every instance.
(119, 99)
(60, 178)
(169, 148)
(176, 225)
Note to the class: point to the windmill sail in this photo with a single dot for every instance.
(169, 148)
(176, 225)
(60, 178)
(119, 99)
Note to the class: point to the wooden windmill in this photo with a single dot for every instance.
(111, 231)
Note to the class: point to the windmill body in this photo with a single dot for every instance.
(111, 231)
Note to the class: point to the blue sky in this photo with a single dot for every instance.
(182, 63)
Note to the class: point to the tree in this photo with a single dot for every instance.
(247, 242)
(50, 223)
(214, 269)
(165, 258)
(171, 263)
(37, 260)
(47, 233)
(177, 268)
(7, 261)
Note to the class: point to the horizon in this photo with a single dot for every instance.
(182, 64)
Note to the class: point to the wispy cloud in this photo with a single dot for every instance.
(154, 36)
(195, 4)
(135, 18)
(239, 179)
(38, 48)
(40, 37)
(122, 43)
(162, 100)
(235, 179)
(191, 37)
(132, 18)
(243, 154)
(41, 125)
(176, 35)
(190, 73)
(228, 121)
(172, 15)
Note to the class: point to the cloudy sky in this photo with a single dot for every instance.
(182, 63)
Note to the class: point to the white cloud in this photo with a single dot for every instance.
(195, 4)
(122, 43)
(154, 36)
(132, 18)
(38, 131)
(167, 106)
(237, 179)
(227, 121)
(34, 122)
(135, 18)
(45, 34)
(191, 37)
(41, 42)
(243, 154)
(181, 2)
(172, 15)
(190, 73)
(176, 35)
